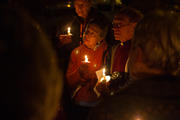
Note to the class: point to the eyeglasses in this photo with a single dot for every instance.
(119, 25)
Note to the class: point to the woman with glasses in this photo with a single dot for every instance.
(81, 77)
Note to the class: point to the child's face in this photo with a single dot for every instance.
(92, 36)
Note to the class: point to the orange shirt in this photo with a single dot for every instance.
(86, 92)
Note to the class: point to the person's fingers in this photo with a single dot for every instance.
(65, 39)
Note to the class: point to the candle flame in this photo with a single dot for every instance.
(104, 70)
(86, 59)
(69, 5)
(105, 77)
(69, 30)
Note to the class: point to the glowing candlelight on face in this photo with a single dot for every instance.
(86, 59)
(69, 31)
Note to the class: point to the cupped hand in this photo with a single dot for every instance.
(65, 39)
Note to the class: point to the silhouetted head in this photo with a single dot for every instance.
(156, 45)
(82, 7)
(31, 83)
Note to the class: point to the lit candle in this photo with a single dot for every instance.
(68, 5)
(86, 59)
(69, 31)
(105, 77)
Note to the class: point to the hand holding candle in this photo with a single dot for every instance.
(66, 38)
(86, 72)
(105, 78)
(102, 86)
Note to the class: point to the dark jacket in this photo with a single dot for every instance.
(155, 98)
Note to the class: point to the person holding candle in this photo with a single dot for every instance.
(84, 12)
(154, 64)
(78, 24)
(124, 23)
(85, 60)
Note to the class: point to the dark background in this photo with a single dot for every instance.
(53, 13)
